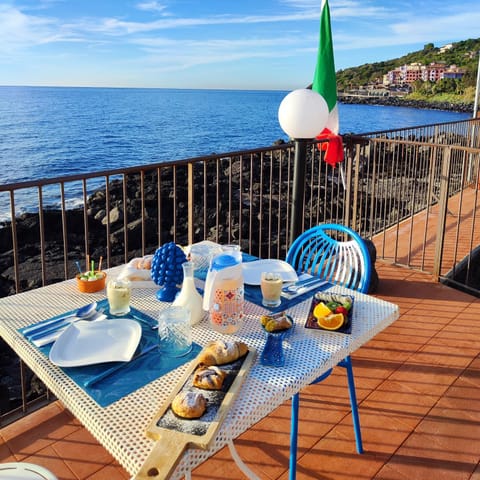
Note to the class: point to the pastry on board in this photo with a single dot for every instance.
(188, 404)
(208, 377)
(220, 352)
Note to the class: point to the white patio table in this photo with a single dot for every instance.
(120, 427)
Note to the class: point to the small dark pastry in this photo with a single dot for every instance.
(208, 377)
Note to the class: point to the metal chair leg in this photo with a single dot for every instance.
(292, 474)
(347, 364)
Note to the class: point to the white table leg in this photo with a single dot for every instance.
(240, 464)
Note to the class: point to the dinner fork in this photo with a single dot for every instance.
(46, 337)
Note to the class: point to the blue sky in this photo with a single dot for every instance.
(232, 44)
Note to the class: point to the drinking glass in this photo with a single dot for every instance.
(233, 250)
(174, 331)
(119, 293)
(271, 286)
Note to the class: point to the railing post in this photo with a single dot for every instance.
(352, 152)
(356, 181)
(442, 211)
(190, 203)
(348, 176)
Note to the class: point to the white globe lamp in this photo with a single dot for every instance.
(303, 115)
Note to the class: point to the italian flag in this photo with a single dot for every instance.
(325, 83)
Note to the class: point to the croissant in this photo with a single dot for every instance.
(208, 377)
(220, 352)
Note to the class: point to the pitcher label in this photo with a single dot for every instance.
(227, 307)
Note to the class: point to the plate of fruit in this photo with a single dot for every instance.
(330, 311)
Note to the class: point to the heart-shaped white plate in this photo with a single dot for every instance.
(88, 343)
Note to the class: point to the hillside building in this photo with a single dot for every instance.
(435, 71)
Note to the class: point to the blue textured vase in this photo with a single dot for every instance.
(167, 270)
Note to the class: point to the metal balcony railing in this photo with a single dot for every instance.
(414, 180)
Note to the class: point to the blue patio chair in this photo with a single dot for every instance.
(339, 255)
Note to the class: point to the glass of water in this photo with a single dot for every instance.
(174, 331)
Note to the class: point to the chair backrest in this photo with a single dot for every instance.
(333, 252)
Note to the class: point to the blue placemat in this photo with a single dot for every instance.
(131, 375)
(254, 294)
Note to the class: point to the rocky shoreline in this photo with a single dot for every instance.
(402, 102)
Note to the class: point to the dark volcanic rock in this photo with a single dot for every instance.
(402, 102)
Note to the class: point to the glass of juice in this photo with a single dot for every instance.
(119, 292)
(271, 286)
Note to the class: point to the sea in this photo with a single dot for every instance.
(55, 131)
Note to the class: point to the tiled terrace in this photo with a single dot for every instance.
(418, 384)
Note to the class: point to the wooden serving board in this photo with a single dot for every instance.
(174, 435)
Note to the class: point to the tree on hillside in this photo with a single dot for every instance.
(445, 85)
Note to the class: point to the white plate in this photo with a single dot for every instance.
(88, 343)
(252, 271)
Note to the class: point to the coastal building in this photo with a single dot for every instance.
(393, 77)
(433, 72)
(454, 72)
(410, 73)
(445, 48)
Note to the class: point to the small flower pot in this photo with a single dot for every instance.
(91, 285)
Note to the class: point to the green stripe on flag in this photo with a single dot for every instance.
(325, 81)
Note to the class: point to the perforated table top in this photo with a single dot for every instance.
(120, 427)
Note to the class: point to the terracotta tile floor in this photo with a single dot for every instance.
(418, 386)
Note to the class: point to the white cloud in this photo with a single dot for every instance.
(114, 26)
(413, 30)
(152, 6)
(440, 27)
(18, 30)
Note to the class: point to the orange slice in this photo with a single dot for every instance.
(331, 322)
(321, 310)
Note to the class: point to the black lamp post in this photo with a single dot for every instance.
(298, 191)
(302, 115)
